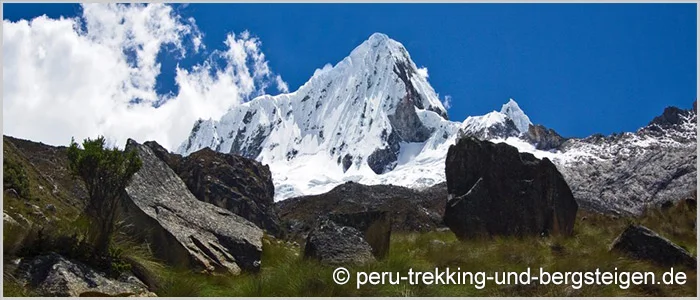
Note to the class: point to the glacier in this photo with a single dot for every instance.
(373, 118)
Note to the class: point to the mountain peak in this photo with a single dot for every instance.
(515, 113)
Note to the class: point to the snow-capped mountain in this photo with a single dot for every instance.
(373, 118)
(351, 120)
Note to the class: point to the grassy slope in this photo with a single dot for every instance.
(286, 273)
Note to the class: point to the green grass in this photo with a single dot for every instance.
(286, 273)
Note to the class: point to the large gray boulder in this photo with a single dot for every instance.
(495, 190)
(374, 225)
(642, 243)
(235, 183)
(183, 230)
(54, 275)
(333, 244)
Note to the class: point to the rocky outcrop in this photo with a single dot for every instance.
(625, 173)
(543, 138)
(495, 190)
(52, 275)
(642, 243)
(333, 244)
(374, 225)
(238, 184)
(182, 230)
(408, 209)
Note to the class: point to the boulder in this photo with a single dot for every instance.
(374, 225)
(495, 190)
(642, 243)
(183, 230)
(54, 275)
(333, 244)
(233, 182)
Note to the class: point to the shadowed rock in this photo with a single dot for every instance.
(54, 275)
(495, 190)
(333, 244)
(408, 209)
(182, 230)
(642, 243)
(374, 225)
(238, 184)
(543, 138)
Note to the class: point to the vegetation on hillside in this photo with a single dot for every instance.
(285, 272)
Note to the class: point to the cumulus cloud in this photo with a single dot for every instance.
(447, 102)
(96, 75)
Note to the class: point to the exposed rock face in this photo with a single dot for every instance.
(642, 243)
(408, 209)
(238, 184)
(495, 190)
(183, 230)
(624, 173)
(374, 225)
(543, 138)
(384, 160)
(54, 275)
(333, 244)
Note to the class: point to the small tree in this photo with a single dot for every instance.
(106, 172)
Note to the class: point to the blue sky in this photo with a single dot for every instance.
(577, 68)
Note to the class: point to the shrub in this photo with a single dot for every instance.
(14, 177)
(106, 172)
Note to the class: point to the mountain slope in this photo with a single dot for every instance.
(373, 118)
(623, 173)
(350, 120)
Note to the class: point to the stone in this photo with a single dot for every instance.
(182, 230)
(495, 190)
(54, 275)
(543, 138)
(374, 225)
(333, 244)
(642, 243)
(238, 184)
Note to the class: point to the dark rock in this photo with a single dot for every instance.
(53, 275)
(374, 225)
(667, 204)
(333, 244)
(183, 230)
(409, 210)
(347, 162)
(238, 184)
(495, 190)
(691, 203)
(642, 243)
(384, 160)
(671, 116)
(543, 138)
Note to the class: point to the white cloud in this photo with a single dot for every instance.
(447, 102)
(62, 80)
(281, 85)
(423, 72)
